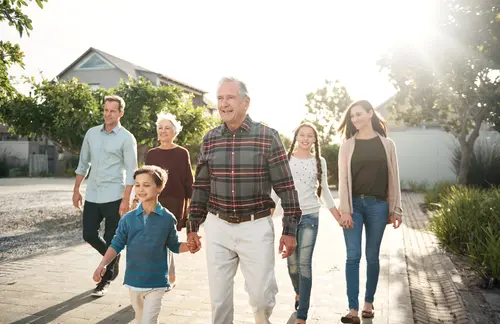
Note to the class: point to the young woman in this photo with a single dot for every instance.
(370, 195)
(175, 160)
(309, 176)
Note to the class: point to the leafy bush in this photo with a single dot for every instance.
(437, 192)
(468, 223)
(484, 170)
(416, 186)
(331, 155)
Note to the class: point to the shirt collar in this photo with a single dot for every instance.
(115, 130)
(140, 210)
(246, 126)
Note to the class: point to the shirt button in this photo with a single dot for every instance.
(233, 152)
(234, 210)
(232, 171)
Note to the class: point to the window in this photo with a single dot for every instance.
(95, 62)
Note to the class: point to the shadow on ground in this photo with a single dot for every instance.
(49, 314)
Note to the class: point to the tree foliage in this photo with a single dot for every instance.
(325, 107)
(63, 111)
(453, 78)
(10, 53)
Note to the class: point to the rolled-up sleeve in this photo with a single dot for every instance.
(130, 159)
(283, 185)
(84, 161)
(201, 193)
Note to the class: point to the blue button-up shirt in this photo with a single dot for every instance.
(113, 157)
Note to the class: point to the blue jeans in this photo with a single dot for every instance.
(373, 213)
(299, 263)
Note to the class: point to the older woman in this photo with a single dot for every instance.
(175, 160)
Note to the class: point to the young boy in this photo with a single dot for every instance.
(148, 232)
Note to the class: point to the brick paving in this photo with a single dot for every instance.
(437, 291)
(55, 287)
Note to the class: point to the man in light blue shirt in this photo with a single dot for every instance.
(111, 152)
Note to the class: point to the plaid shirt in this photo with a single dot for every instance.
(235, 172)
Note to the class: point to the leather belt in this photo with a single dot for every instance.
(234, 219)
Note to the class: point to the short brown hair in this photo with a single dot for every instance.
(118, 99)
(159, 175)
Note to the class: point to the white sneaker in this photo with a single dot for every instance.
(100, 290)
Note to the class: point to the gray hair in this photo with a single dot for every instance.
(118, 99)
(241, 85)
(171, 118)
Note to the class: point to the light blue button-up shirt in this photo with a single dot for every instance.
(113, 157)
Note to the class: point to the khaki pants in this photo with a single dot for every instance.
(147, 305)
(250, 244)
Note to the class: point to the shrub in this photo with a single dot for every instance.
(416, 186)
(434, 195)
(468, 223)
(331, 155)
(484, 170)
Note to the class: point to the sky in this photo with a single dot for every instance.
(281, 49)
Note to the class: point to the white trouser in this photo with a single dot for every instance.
(147, 305)
(252, 244)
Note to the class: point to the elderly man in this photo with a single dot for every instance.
(239, 162)
(111, 151)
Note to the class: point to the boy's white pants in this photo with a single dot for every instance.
(146, 304)
(252, 245)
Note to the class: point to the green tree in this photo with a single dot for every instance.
(61, 111)
(452, 83)
(11, 54)
(144, 101)
(287, 141)
(325, 107)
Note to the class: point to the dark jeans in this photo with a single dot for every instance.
(93, 214)
(373, 214)
(300, 262)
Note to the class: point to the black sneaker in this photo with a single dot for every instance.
(100, 290)
(116, 267)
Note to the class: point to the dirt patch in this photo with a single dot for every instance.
(37, 221)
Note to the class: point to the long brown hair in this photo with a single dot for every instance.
(317, 151)
(347, 129)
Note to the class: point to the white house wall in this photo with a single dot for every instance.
(16, 152)
(425, 155)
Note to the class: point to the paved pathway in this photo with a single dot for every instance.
(54, 288)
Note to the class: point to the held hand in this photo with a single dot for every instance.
(77, 199)
(396, 220)
(336, 214)
(346, 220)
(288, 244)
(124, 207)
(193, 241)
(98, 273)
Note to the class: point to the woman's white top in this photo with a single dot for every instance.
(304, 172)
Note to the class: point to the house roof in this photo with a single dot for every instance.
(129, 68)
